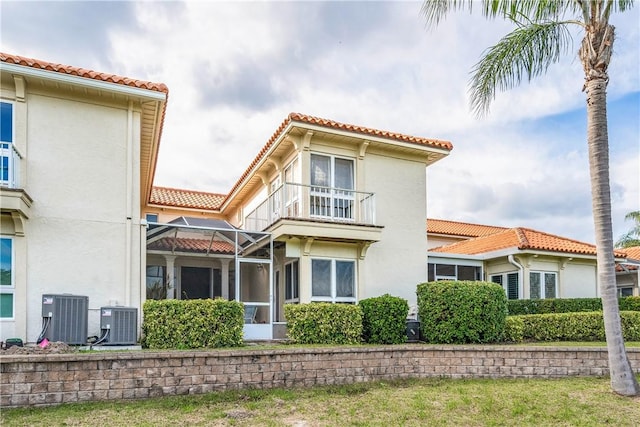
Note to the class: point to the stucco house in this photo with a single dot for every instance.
(321, 214)
(527, 263)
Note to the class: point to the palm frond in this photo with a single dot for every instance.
(434, 11)
(525, 52)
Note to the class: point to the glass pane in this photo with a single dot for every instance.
(344, 174)
(4, 168)
(5, 261)
(6, 122)
(156, 285)
(195, 283)
(497, 279)
(466, 272)
(345, 278)
(512, 286)
(288, 277)
(320, 278)
(549, 285)
(296, 284)
(6, 305)
(534, 285)
(431, 272)
(445, 270)
(320, 174)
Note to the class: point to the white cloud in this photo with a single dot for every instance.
(235, 70)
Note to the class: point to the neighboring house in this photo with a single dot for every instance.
(78, 151)
(326, 211)
(628, 272)
(527, 263)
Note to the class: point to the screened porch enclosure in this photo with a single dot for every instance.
(196, 258)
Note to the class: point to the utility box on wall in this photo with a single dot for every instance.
(66, 318)
(120, 324)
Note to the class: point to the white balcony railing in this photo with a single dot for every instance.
(297, 201)
(9, 165)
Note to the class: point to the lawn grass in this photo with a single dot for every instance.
(576, 401)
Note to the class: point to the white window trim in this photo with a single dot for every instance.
(11, 151)
(543, 290)
(292, 300)
(11, 289)
(334, 192)
(505, 282)
(333, 298)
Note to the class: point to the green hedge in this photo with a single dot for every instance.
(566, 305)
(185, 324)
(322, 323)
(384, 319)
(585, 326)
(461, 311)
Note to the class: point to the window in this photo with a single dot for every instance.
(625, 292)
(333, 280)
(542, 285)
(292, 189)
(275, 193)
(453, 272)
(156, 283)
(291, 285)
(332, 185)
(7, 284)
(9, 159)
(151, 217)
(510, 282)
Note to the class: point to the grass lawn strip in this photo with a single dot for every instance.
(437, 402)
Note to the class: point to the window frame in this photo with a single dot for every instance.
(504, 282)
(11, 288)
(330, 198)
(334, 298)
(543, 286)
(294, 292)
(8, 153)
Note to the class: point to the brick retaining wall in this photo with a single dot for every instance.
(40, 380)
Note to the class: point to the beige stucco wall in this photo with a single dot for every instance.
(83, 237)
(396, 264)
(579, 280)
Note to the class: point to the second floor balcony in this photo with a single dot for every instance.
(313, 203)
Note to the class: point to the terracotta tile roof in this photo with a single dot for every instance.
(454, 228)
(185, 198)
(303, 118)
(182, 244)
(632, 253)
(522, 239)
(81, 72)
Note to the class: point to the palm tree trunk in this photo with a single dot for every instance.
(595, 53)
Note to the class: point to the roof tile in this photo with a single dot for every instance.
(81, 72)
(464, 229)
(185, 198)
(522, 239)
(182, 244)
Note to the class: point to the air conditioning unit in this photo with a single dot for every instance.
(65, 317)
(119, 325)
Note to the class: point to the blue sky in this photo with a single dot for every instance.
(236, 69)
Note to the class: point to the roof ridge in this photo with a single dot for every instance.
(523, 242)
(467, 223)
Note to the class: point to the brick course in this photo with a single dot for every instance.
(45, 380)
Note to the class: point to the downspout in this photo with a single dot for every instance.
(513, 262)
(129, 207)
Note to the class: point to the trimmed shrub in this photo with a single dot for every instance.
(461, 311)
(186, 324)
(567, 305)
(323, 323)
(384, 319)
(585, 326)
(630, 304)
